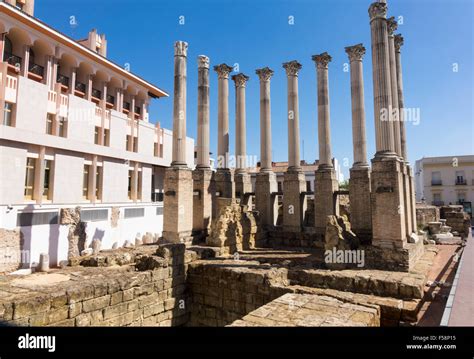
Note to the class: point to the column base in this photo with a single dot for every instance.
(387, 203)
(294, 201)
(202, 201)
(178, 205)
(325, 184)
(266, 202)
(359, 199)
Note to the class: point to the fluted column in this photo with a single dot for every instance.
(223, 72)
(203, 113)
(292, 68)
(324, 132)
(398, 40)
(359, 139)
(179, 105)
(264, 75)
(392, 26)
(240, 81)
(381, 78)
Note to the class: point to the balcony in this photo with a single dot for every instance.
(460, 182)
(436, 182)
(437, 203)
(12, 60)
(110, 100)
(126, 107)
(96, 95)
(35, 71)
(63, 80)
(80, 89)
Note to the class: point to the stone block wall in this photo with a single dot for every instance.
(457, 219)
(221, 295)
(10, 250)
(425, 214)
(109, 296)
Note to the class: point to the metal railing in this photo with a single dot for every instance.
(460, 182)
(436, 182)
(12, 59)
(96, 93)
(63, 80)
(437, 203)
(110, 99)
(126, 106)
(36, 69)
(81, 87)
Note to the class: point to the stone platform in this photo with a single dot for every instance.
(307, 310)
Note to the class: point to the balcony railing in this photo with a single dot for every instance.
(126, 106)
(436, 182)
(63, 80)
(36, 69)
(138, 110)
(81, 87)
(110, 99)
(12, 59)
(460, 182)
(437, 203)
(96, 93)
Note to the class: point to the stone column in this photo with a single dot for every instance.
(266, 185)
(391, 27)
(223, 177)
(387, 196)
(294, 182)
(178, 186)
(410, 202)
(381, 77)
(243, 184)
(359, 183)
(202, 175)
(325, 182)
(179, 105)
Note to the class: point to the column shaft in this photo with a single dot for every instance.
(240, 119)
(398, 43)
(223, 71)
(179, 105)
(392, 26)
(203, 113)
(265, 120)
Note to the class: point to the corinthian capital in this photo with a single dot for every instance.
(223, 71)
(181, 48)
(292, 68)
(355, 52)
(322, 60)
(398, 42)
(392, 25)
(377, 10)
(264, 74)
(240, 79)
(203, 62)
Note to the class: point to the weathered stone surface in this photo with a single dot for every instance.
(10, 249)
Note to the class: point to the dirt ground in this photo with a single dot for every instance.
(443, 271)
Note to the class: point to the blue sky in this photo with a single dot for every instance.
(438, 40)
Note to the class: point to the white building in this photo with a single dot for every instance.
(445, 180)
(75, 131)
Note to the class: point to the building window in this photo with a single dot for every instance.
(96, 135)
(98, 183)
(30, 177)
(437, 200)
(280, 186)
(130, 177)
(436, 178)
(135, 144)
(85, 182)
(460, 179)
(62, 127)
(139, 185)
(49, 123)
(156, 149)
(308, 186)
(8, 114)
(47, 179)
(19, 5)
(106, 137)
(461, 197)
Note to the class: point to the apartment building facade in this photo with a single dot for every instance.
(75, 131)
(445, 180)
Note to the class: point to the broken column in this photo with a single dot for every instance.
(202, 175)
(178, 184)
(294, 183)
(243, 184)
(223, 177)
(266, 184)
(359, 182)
(325, 182)
(410, 203)
(387, 202)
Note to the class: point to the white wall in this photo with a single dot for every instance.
(31, 106)
(12, 173)
(68, 177)
(115, 181)
(81, 120)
